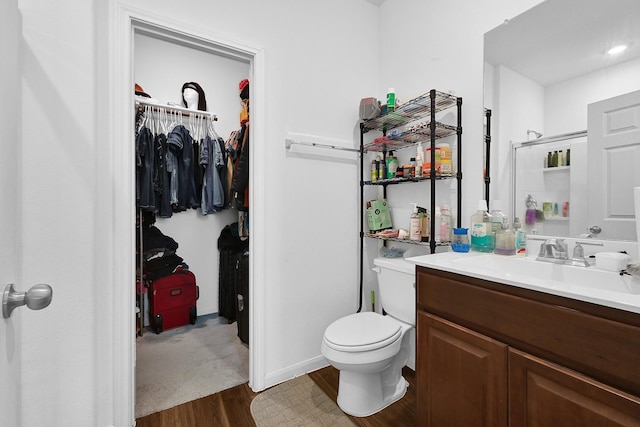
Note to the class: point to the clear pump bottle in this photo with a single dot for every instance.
(481, 229)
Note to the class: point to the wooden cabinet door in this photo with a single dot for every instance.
(461, 376)
(544, 394)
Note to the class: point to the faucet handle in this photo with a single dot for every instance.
(578, 251)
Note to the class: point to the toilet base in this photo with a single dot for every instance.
(361, 395)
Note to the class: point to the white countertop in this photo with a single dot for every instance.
(581, 283)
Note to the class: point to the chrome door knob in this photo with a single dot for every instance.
(36, 298)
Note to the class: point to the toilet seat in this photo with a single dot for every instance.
(362, 332)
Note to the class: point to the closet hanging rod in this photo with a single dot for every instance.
(289, 142)
(182, 110)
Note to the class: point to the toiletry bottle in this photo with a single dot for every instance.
(426, 224)
(392, 165)
(437, 218)
(498, 219)
(481, 236)
(568, 161)
(446, 224)
(505, 242)
(412, 162)
(415, 224)
(380, 165)
(419, 159)
(391, 100)
(446, 165)
(374, 170)
(521, 237)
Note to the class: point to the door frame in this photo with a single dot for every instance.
(124, 21)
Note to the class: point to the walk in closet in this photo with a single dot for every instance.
(162, 65)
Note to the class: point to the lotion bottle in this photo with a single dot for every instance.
(415, 224)
(521, 238)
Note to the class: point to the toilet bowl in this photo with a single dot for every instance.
(370, 349)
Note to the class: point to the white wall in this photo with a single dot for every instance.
(439, 45)
(320, 60)
(566, 102)
(161, 68)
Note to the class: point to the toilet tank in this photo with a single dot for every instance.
(397, 290)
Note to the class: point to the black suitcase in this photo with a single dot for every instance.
(229, 245)
(242, 295)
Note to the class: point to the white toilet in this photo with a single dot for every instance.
(370, 349)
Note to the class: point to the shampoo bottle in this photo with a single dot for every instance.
(415, 224)
(481, 235)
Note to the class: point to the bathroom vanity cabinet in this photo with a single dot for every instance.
(489, 354)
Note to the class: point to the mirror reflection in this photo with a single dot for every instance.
(545, 70)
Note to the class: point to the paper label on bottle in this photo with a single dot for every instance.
(479, 229)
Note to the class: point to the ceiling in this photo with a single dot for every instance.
(561, 39)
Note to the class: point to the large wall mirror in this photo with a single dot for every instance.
(546, 70)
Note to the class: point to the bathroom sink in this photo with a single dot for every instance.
(554, 275)
(590, 284)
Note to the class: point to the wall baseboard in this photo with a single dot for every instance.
(282, 375)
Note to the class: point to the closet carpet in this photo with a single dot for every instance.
(187, 363)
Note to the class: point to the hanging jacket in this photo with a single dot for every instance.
(145, 168)
(240, 184)
(179, 143)
(212, 190)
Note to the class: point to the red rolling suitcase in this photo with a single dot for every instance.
(172, 301)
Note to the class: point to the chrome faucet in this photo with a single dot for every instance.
(578, 253)
(553, 250)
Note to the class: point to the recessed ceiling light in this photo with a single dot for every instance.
(617, 49)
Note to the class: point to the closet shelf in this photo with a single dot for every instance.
(410, 111)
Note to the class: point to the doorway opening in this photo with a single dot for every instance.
(126, 23)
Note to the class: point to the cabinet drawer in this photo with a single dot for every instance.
(557, 329)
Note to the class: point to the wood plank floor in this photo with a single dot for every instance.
(231, 408)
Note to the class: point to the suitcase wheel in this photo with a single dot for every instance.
(157, 324)
(193, 314)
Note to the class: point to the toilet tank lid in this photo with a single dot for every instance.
(397, 264)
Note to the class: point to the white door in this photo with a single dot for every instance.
(613, 157)
(10, 345)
